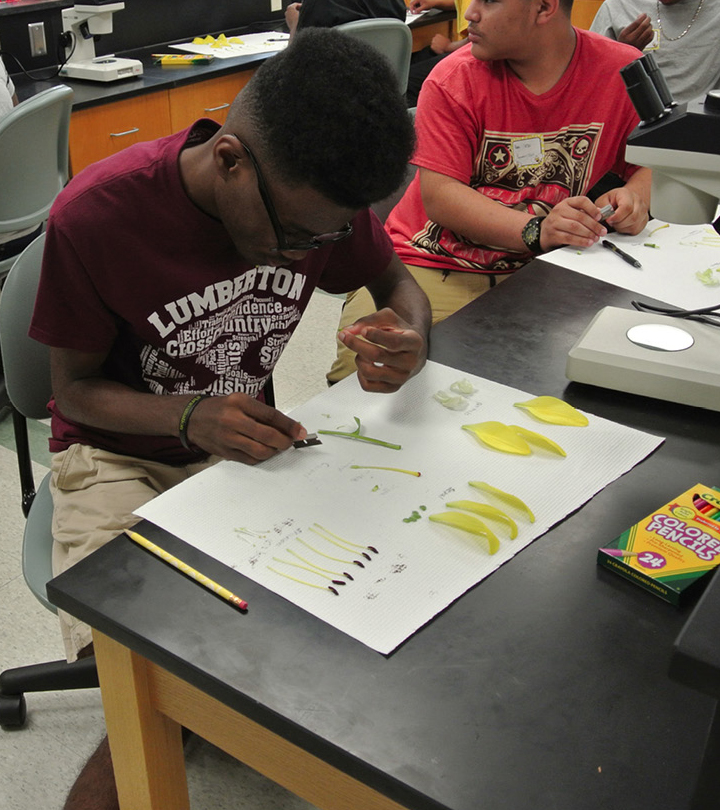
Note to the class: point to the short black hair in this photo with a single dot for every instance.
(328, 113)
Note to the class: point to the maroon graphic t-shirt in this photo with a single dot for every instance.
(133, 268)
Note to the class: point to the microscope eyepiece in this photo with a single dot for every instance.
(656, 77)
(645, 98)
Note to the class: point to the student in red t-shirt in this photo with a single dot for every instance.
(513, 132)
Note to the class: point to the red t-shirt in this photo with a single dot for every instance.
(133, 268)
(478, 123)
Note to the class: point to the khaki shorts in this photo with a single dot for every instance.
(95, 493)
(447, 294)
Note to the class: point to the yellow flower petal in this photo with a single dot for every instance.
(554, 411)
(468, 524)
(485, 510)
(539, 439)
(505, 497)
(500, 437)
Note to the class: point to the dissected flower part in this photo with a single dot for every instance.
(303, 582)
(487, 511)
(468, 523)
(341, 542)
(464, 387)
(708, 277)
(318, 567)
(329, 556)
(499, 437)
(539, 439)
(554, 411)
(505, 497)
(313, 570)
(389, 469)
(355, 434)
(453, 402)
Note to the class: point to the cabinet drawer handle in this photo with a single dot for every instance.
(215, 109)
(127, 132)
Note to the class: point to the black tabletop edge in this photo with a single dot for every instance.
(294, 733)
(696, 657)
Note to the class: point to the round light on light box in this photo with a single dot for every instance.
(660, 337)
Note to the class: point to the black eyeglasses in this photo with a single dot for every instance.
(313, 242)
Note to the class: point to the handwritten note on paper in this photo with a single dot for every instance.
(256, 519)
(670, 266)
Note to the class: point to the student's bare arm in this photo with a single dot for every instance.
(454, 205)
(237, 427)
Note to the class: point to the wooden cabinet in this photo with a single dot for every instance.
(423, 34)
(100, 131)
(584, 12)
(209, 99)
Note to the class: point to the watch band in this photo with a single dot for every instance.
(531, 234)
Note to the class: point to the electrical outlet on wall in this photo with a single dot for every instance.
(38, 45)
(275, 5)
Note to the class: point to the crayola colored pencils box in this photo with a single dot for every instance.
(672, 548)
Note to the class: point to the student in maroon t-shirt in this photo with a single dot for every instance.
(175, 273)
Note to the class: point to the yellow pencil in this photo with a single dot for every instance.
(210, 584)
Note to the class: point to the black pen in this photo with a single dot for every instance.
(626, 257)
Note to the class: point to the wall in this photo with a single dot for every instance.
(141, 23)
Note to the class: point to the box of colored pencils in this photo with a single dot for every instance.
(671, 549)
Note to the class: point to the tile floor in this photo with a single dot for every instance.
(39, 763)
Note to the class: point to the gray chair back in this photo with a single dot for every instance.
(33, 160)
(27, 379)
(33, 157)
(391, 37)
(26, 363)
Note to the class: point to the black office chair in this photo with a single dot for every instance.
(27, 378)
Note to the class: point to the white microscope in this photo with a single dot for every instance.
(655, 355)
(83, 23)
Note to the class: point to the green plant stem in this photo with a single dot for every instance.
(356, 435)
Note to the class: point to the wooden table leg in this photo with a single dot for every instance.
(146, 746)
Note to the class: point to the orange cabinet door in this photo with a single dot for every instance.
(100, 131)
(423, 34)
(584, 11)
(208, 99)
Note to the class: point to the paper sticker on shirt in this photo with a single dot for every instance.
(528, 151)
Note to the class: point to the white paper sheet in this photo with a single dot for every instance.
(668, 271)
(411, 16)
(268, 42)
(245, 516)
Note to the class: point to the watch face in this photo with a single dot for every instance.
(531, 235)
